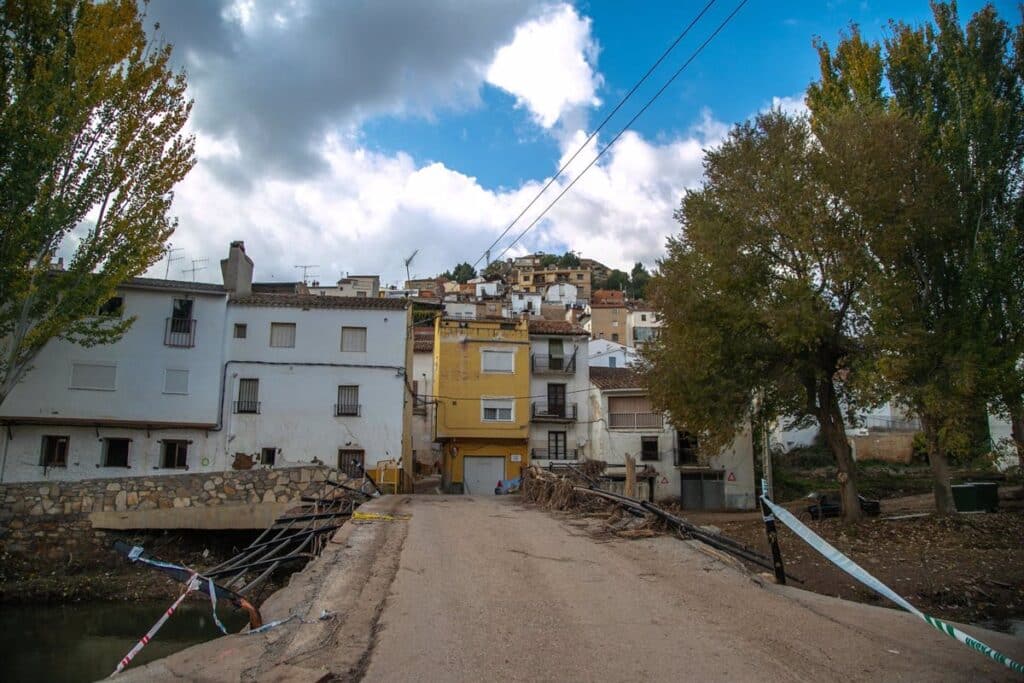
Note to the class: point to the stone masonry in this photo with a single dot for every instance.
(51, 519)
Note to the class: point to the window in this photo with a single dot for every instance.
(182, 309)
(268, 455)
(95, 376)
(350, 462)
(115, 452)
(241, 330)
(248, 396)
(419, 403)
(643, 317)
(648, 448)
(174, 455)
(579, 276)
(361, 295)
(353, 339)
(632, 412)
(611, 361)
(498, 361)
(556, 446)
(282, 335)
(113, 307)
(556, 400)
(348, 400)
(688, 454)
(181, 327)
(497, 410)
(556, 354)
(175, 381)
(615, 336)
(55, 451)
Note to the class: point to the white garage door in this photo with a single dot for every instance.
(481, 474)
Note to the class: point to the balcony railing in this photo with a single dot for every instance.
(180, 332)
(347, 409)
(554, 454)
(635, 420)
(558, 412)
(247, 406)
(555, 365)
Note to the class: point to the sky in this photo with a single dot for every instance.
(347, 135)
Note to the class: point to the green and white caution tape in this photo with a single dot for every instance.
(858, 572)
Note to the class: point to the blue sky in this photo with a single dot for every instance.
(346, 134)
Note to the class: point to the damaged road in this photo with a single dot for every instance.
(488, 589)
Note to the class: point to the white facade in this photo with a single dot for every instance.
(526, 302)
(460, 310)
(725, 480)
(559, 410)
(642, 326)
(609, 354)
(160, 381)
(561, 293)
(494, 288)
(297, 388)
(423, 411)
(193, 384)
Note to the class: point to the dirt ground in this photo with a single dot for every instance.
(967, 568)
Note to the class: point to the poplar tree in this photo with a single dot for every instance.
(949, 318)
(91, 145)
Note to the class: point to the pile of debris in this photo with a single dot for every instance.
(579, 488)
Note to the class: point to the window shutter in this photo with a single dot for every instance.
(353, 339)
(282, 334)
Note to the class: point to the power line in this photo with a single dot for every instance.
(626, 127)
(487, 251)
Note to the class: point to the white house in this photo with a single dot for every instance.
(460, 310)
(609, 354)
(141, 405)
(559, 382)
(643, 324)
(489, 289)
(212, 377)
(623, 421)
(526, 302)
(561, 293)
(351, 285)
(424, 452)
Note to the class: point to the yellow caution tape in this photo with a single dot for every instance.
(378, 517)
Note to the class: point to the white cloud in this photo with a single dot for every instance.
(791, 105)
(368, 210)
(549, 65)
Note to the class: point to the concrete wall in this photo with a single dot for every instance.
(609, 322)
(526, 302)
(577, 386)
(423, 421)
(561, 293)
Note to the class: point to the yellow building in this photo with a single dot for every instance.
(482, 387)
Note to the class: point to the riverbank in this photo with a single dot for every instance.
(112, 578)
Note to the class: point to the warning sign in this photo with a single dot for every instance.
(664, 480)
(731, 477)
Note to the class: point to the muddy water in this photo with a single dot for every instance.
(84, 642)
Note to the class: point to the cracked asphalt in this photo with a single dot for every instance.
(484, 588)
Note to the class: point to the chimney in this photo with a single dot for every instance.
(236, 270)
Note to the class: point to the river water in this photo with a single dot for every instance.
(85, 641)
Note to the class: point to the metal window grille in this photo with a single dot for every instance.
(348, 400)
(248, 396)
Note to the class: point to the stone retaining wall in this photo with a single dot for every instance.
(51, 519)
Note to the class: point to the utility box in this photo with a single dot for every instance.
(977, 496)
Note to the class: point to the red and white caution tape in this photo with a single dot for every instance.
(193, 584)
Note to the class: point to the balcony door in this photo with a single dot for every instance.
(556, 354)
(556, 400)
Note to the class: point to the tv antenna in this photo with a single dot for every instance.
(407, 262)
(171, 258)
(195, 267)
(306, 267)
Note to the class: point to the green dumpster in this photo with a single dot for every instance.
(976, 496)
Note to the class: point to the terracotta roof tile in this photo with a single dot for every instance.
(560, 327)
(176, 285)
(317, 301)
(615, 378)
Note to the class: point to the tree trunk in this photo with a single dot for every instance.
(940, 468)
(830, 419)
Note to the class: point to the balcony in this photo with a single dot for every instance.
(543, 411)
(252, 407)
(180, 332)
(554, 454)
(635, 421)
(347, 409)
(543, 364)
